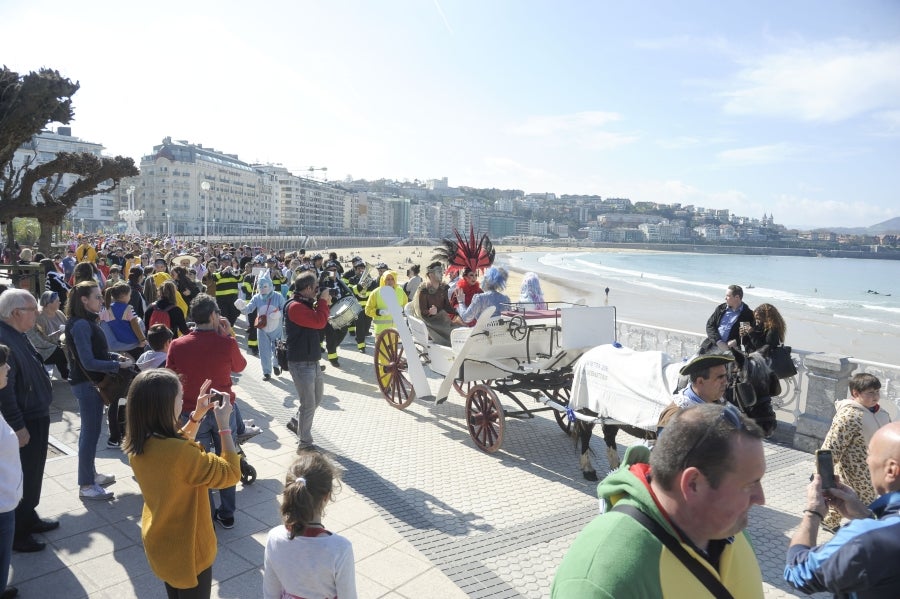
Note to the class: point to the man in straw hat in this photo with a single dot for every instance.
(708, 379)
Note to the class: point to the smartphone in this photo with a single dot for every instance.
(825, 467)
(218, 397)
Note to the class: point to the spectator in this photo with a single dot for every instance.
(304, 559)
(25, 404)
(125, 327)
(55, 281)
(175, 476)
(695, 496)
(861, 560)
(10, 486)
(855, 421)
(307, 315)
(209, 352)
(159, 338)
(723, 327)
(167, 303)
(90, 358)
(409, 288)
(766, 333)
(45, 334)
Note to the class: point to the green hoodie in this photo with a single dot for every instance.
(615, 557)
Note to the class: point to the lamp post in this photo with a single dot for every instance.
(131, 216)
(205, 187)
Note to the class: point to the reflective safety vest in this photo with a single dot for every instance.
(226, 285)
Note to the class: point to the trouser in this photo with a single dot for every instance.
(267, 348)
(251, 330)
(90, 405)
(114, 422)
(310, 385)
(203, 590)
(7, 534)
(58, 359)
(208, 437)
(333, 338)
(227, 307)
(33, 457)
(363, 323)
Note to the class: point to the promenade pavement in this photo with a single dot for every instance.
(428, 514)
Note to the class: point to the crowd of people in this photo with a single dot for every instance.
(170, 311)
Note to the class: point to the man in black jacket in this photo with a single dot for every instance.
(723, 327)
(25, 403)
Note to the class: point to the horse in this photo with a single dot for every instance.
(751, 386)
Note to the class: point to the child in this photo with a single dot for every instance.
(159, 337)
(302, 558)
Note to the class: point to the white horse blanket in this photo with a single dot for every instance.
(627, 386)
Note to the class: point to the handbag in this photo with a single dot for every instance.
(782, 364)
(262, 319)
(115, 385)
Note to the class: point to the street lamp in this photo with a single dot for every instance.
(131, 216)
(205, 187)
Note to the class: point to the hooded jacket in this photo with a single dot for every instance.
(615, 556)
(376, 309)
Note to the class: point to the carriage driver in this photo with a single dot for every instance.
(331, 280)
(708, 379)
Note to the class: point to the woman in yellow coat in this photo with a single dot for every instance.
(175, 474)
(376, 309)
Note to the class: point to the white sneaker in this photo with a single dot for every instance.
(104, 480)
(95, 492)
(249, 422)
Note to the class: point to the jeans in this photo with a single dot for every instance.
(267, 347)
(208, 437)
(91, 407)
(310, 385)
(7, 532)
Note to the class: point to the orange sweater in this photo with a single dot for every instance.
(176, 523)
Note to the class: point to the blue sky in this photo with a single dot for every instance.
(791, 108)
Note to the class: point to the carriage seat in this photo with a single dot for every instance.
(417, 326)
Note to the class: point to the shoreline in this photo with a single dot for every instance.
(636, 304)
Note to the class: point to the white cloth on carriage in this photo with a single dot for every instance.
(625, 385)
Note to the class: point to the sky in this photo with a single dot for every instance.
(766, 107)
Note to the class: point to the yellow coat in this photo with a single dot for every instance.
(375, 303)
(176, 523)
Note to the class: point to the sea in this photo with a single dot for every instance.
(855, 291)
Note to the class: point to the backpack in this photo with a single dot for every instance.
(160, 316)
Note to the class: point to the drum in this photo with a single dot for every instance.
(344, 312)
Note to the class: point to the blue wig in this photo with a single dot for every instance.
(494, 279)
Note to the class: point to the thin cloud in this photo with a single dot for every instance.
(584, 129)
(826, 82)
(829, 213)
(440, 10)
(764, 154)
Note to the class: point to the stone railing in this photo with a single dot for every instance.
(805, 406)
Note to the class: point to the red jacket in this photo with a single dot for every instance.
(202, 355)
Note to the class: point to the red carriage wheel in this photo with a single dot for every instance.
(485, 418)
(390, 370)
(463, 387)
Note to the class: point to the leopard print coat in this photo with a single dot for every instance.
(848, 439)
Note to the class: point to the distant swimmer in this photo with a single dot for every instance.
(750, 286)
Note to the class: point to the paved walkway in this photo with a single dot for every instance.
(429, 515)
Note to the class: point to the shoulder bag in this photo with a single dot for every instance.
(782, 364)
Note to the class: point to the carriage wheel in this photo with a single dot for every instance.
(485, 418)
(561, 395)
(463, 387)
(390, 370)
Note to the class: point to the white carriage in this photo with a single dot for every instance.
(519, 353)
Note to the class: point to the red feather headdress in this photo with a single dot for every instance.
(463, 253)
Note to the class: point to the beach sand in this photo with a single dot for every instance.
(635, 304)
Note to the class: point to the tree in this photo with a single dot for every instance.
(27, 105)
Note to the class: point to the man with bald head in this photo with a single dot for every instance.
(861, 560)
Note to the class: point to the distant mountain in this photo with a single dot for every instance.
(888, 226)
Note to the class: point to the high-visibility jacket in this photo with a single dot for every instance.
(376, 309)
(226, 284)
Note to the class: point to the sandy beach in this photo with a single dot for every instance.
(636, 304)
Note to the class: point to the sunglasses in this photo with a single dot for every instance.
(731, 415)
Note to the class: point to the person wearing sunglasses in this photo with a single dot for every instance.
(676, 524)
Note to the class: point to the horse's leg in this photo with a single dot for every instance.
(584, 432)
(612, 452)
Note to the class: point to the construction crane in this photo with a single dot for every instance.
(324, 170)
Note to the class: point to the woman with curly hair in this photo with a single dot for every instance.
(767, 333)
